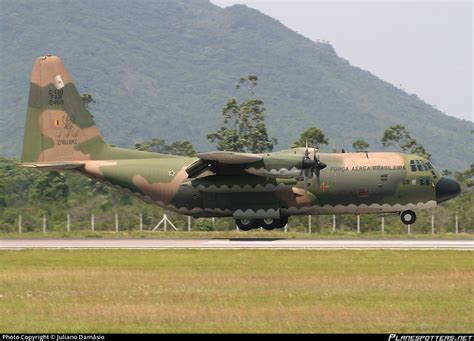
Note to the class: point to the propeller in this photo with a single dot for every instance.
(310, 167)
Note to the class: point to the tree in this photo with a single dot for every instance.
(244, 128)
(313, 135)
(360, 146)
(183, 148)
(50, 187)
(398, 135)
(155, 146)
(250, 80)
(3, 197)
(446, 172)
(87, 99)
(466, 176)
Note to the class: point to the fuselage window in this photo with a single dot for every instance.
(425, 181)
(412, 165)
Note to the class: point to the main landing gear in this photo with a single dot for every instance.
(408, 217)
(267, 224)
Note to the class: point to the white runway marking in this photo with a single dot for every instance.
(236, 243)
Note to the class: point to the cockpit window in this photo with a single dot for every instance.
(420, 166)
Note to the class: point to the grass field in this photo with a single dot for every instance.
(236, 291)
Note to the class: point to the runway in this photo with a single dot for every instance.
(235, 243)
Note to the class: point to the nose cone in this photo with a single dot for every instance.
(446, 189)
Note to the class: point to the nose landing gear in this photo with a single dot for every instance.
(408, 217)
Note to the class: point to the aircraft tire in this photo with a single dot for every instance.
(408, 217)
(246, 224)
(271, 224)
(282, 222)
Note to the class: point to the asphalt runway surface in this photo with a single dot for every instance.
(235, 243)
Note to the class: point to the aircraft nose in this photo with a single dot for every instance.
(446, 189)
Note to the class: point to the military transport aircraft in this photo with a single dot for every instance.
(257, 190)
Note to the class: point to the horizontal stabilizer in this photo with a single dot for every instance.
(60, 166)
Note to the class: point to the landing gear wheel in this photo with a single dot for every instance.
(408, 217)
(246, 224)
(270, 224)
(282, 222)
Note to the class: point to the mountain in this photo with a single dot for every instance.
(166, 68)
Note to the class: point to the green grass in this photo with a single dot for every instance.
(234, 234)
(236, 291)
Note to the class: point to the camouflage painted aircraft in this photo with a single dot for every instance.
(257, 190)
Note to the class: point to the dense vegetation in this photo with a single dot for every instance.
(166, 68)
(33, 193)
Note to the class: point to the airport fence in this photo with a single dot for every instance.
(427, 223)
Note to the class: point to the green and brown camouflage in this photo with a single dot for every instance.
(255, 189)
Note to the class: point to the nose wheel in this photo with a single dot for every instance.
(408, 217)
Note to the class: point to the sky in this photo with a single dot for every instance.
(423, 47)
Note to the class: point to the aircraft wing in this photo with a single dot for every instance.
(221, 162)
(230, 158)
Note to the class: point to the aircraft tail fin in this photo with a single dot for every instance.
(58, 125)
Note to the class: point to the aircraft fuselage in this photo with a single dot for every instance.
(351, 183)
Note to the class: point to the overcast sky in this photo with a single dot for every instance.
(424, 47)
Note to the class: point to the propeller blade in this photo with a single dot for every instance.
(311, 167)
(321, 165)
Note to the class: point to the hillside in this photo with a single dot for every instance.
(165, 69)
